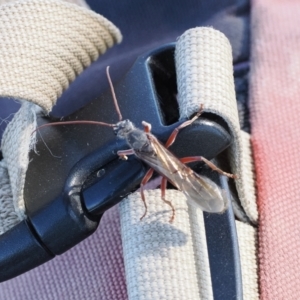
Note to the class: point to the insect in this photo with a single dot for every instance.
(198, 189)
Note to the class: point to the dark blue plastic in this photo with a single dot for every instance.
(223, 251)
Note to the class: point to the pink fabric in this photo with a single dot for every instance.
(94, 269)
(275, 117)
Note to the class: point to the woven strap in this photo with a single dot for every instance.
(8, 215)
(45, 45)
(164, 261)
(247, 236)
(78, 2)
(204, 68)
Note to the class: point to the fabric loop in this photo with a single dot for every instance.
(247, 236)
(163, 260)
(204, 76)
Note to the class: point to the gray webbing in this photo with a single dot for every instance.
(45, 45)
(205, 76)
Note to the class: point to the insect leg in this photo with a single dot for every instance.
(163, 187)
(144, 181)
(173, 136)
(123, 153)
(189, 159)
(147, 126)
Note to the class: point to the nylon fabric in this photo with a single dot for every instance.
(78, 2)
(8, 215)
(94, 269)
(247, 167)
(37, 64)
(162, 260)
(204, 67)
(16, 143)
(274, 107)
(198, 236)
(247, 236)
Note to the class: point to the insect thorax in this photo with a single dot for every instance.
(135, 138)
(122, 128)
(138, 140)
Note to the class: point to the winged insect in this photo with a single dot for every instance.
(198, 189)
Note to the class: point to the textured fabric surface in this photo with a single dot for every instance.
(94, 269)
(247, 236)
(160, 258)
(78, 2)
(37, 64)
(198, 236)
(8, 215)
(247, 167)
(275, 90)
(204, 68)
(16, 143)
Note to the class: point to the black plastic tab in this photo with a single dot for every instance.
(20, 250)
(115, 181)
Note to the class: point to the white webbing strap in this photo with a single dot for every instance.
(205, 75)
(44, 45)
(78, 2)
(247, 236)
(164, 261)
(8, 214)
(16, 143)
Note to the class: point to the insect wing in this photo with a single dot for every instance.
(162, 161)
(200, 190)
(204, 193)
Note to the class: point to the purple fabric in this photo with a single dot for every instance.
(94, 269)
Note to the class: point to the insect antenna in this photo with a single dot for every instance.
(114, 94)
(72, 123)
(90, 122)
